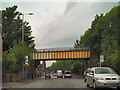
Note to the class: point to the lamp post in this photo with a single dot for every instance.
(23, 35)
(23, 25)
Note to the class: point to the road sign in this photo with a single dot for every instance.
(39, 69)
(101, 58)
(26, 57)
(26, 62)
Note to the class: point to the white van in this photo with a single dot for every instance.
(59, 73)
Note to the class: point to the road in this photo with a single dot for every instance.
(55, 83)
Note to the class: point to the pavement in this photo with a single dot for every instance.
(49, 83)
(42, 83)
(12, 84)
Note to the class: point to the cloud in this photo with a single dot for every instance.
(69, 6)
(62, 31)
(65, 28)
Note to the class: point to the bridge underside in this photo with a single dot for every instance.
(61, 59)
(64, 54)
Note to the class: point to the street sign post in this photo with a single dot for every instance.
(26, 65)
(101, 59)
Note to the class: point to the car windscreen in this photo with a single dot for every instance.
(67, 73)
(104, 71)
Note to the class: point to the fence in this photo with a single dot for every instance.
(11, 77)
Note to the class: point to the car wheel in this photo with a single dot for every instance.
(87, 85)
(94, 85)
(118, 88)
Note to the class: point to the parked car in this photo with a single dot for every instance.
(103, 77)
(67, 74)
(53, 75)
(59, 73)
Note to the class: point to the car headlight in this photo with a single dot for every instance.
(99, 78)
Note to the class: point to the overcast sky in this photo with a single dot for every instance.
(59, 24)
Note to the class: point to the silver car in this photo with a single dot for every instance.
(102, 77)
(67, 74)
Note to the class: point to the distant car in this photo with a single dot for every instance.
(47, 75)
(67, 74)
(59, 73)
(103, 77)
(53, 75)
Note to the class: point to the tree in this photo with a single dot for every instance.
(14, 59)
(92, 40)
(103, 38)
(110, 39)
(9, 63)
(77, 44)
(12, 29)
(15, 50)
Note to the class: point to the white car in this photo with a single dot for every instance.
(67, 74)
(103, 77)
(59, 73)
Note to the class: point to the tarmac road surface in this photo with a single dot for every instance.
(56, 83)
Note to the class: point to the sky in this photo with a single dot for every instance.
(58, 23)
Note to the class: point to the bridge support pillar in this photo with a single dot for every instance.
(85, 65)
(88, 63)
(44, 66)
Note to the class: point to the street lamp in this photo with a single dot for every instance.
(23, 34)
(23, 25)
